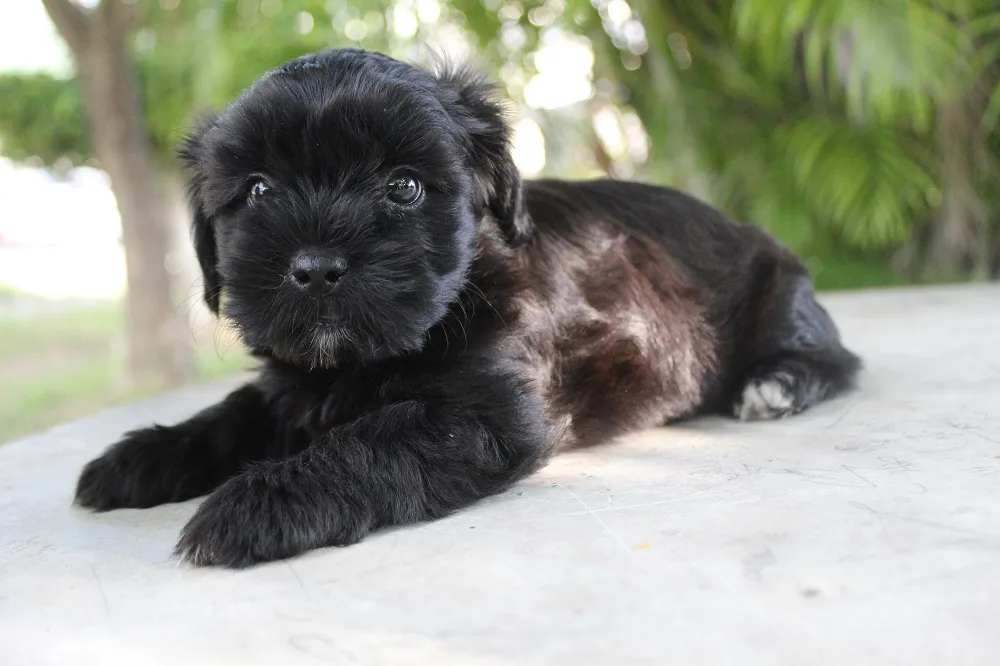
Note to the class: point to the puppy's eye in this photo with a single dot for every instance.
(257, 190)
(404, 190)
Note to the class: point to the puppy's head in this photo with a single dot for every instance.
(338, 199)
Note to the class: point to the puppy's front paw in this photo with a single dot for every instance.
(771, 396)
(142, 470)
(268, 512)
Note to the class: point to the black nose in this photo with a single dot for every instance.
(316, 271)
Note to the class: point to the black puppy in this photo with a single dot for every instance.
(432, 328)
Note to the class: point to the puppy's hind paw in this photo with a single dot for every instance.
(771, 396)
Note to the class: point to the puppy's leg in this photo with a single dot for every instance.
(412, 460)
(795, 356)
(174, 463)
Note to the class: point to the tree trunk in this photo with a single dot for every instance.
(158, 350)
(954, 234)
(961, 242)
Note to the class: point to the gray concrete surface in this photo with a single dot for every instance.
(864, 532)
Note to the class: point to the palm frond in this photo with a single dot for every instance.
(889, 57)
(866, 184)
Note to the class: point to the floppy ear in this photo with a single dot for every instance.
(191, 153)
(496, 178)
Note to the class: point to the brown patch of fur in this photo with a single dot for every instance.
(607, 328)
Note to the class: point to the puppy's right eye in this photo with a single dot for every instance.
(257, 190)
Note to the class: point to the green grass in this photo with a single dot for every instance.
(21, 336)
(57, 367)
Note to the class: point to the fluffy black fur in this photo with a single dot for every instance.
(454, 341)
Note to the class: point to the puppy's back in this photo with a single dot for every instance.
(706, 243)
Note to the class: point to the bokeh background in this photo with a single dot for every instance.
(863, 133)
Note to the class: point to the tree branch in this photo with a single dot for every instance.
(71, 22)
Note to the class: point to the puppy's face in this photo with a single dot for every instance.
(338, 201)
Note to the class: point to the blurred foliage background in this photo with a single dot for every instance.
(863, 133)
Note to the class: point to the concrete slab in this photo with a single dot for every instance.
(864, 532)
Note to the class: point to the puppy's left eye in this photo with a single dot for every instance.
(404, 190)
(257, 190)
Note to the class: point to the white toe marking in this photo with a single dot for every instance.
(764, 399)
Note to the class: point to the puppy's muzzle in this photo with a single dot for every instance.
(316, 271)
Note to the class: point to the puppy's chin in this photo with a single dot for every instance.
(326, 344)
(320, 348)
(327, 347)
(323, 348)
